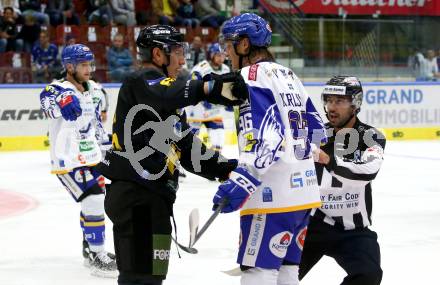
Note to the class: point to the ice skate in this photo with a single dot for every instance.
(103, 264)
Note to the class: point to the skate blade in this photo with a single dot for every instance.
(86, 263)
(104, 274)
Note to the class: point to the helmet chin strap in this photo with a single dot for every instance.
(164, 67)
(241, 56)
(74, 75)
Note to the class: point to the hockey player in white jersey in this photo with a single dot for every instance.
(75, 130)
(205, 113)
(275, 183)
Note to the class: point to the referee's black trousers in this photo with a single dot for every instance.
(356, 251)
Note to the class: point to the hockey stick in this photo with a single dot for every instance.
(185, 248)
(193, 219)
(209, 221)
(193, 225)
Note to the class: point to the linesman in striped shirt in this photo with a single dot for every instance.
(347, 164)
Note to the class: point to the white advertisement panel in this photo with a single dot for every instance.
(394, 105)
(412, 106)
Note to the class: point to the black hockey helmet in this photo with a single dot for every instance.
(342, 85)
(161, 36)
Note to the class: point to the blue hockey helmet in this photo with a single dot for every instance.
(75, 54)
(248, 25)
(213, 49)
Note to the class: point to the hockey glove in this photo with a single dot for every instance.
(69, 105)
(216, 84)
(237, 190)
(239, 88)
(224, 169)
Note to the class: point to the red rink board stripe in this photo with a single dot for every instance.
(14, 203)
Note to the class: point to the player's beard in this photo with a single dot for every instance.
(339, 121)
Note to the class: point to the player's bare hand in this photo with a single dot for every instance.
(320, 156)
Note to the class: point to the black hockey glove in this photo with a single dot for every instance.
(215, 95)
(239, 88)
(225, 168)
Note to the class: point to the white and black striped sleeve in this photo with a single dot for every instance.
(358, 172)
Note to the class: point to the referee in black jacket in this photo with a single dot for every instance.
(150, 140)
(347, 164)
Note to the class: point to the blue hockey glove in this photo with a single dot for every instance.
(69, 105)
(237, 189)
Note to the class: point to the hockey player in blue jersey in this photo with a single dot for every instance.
(75, 132)
(275, 183)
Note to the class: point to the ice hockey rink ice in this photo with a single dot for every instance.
(43, 245)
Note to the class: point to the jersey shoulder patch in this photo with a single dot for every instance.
(253, 72)
(152, 82)
(167, 81)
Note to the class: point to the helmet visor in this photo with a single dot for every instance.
(181, 49)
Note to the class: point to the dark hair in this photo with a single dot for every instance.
(8, 8)
(254, 50)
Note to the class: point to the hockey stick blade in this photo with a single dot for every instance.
(193, 225)
(233, 272)
(190, 250)
(210, 220)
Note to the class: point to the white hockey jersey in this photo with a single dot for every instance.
(205, 111)
(73, 143)
(277, 127)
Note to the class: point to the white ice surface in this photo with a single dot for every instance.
(43, 246)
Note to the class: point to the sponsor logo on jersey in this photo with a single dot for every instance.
(81, 174)
(311, 177)
(253, 72)
(86, 146)
(167, 81)
(161, 254)
(267, 194)
(296, 180)
(279, 243)
(81, 159)
(301, 237)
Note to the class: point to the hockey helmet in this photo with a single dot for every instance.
(214, 49)
(248, 25)
(344, 86)
(76, 53)
(162, 36)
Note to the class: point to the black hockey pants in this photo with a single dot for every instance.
(142, 232)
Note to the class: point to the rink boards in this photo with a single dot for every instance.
(402, 110)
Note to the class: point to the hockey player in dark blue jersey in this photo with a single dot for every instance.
(347, 165)
(275, 184)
